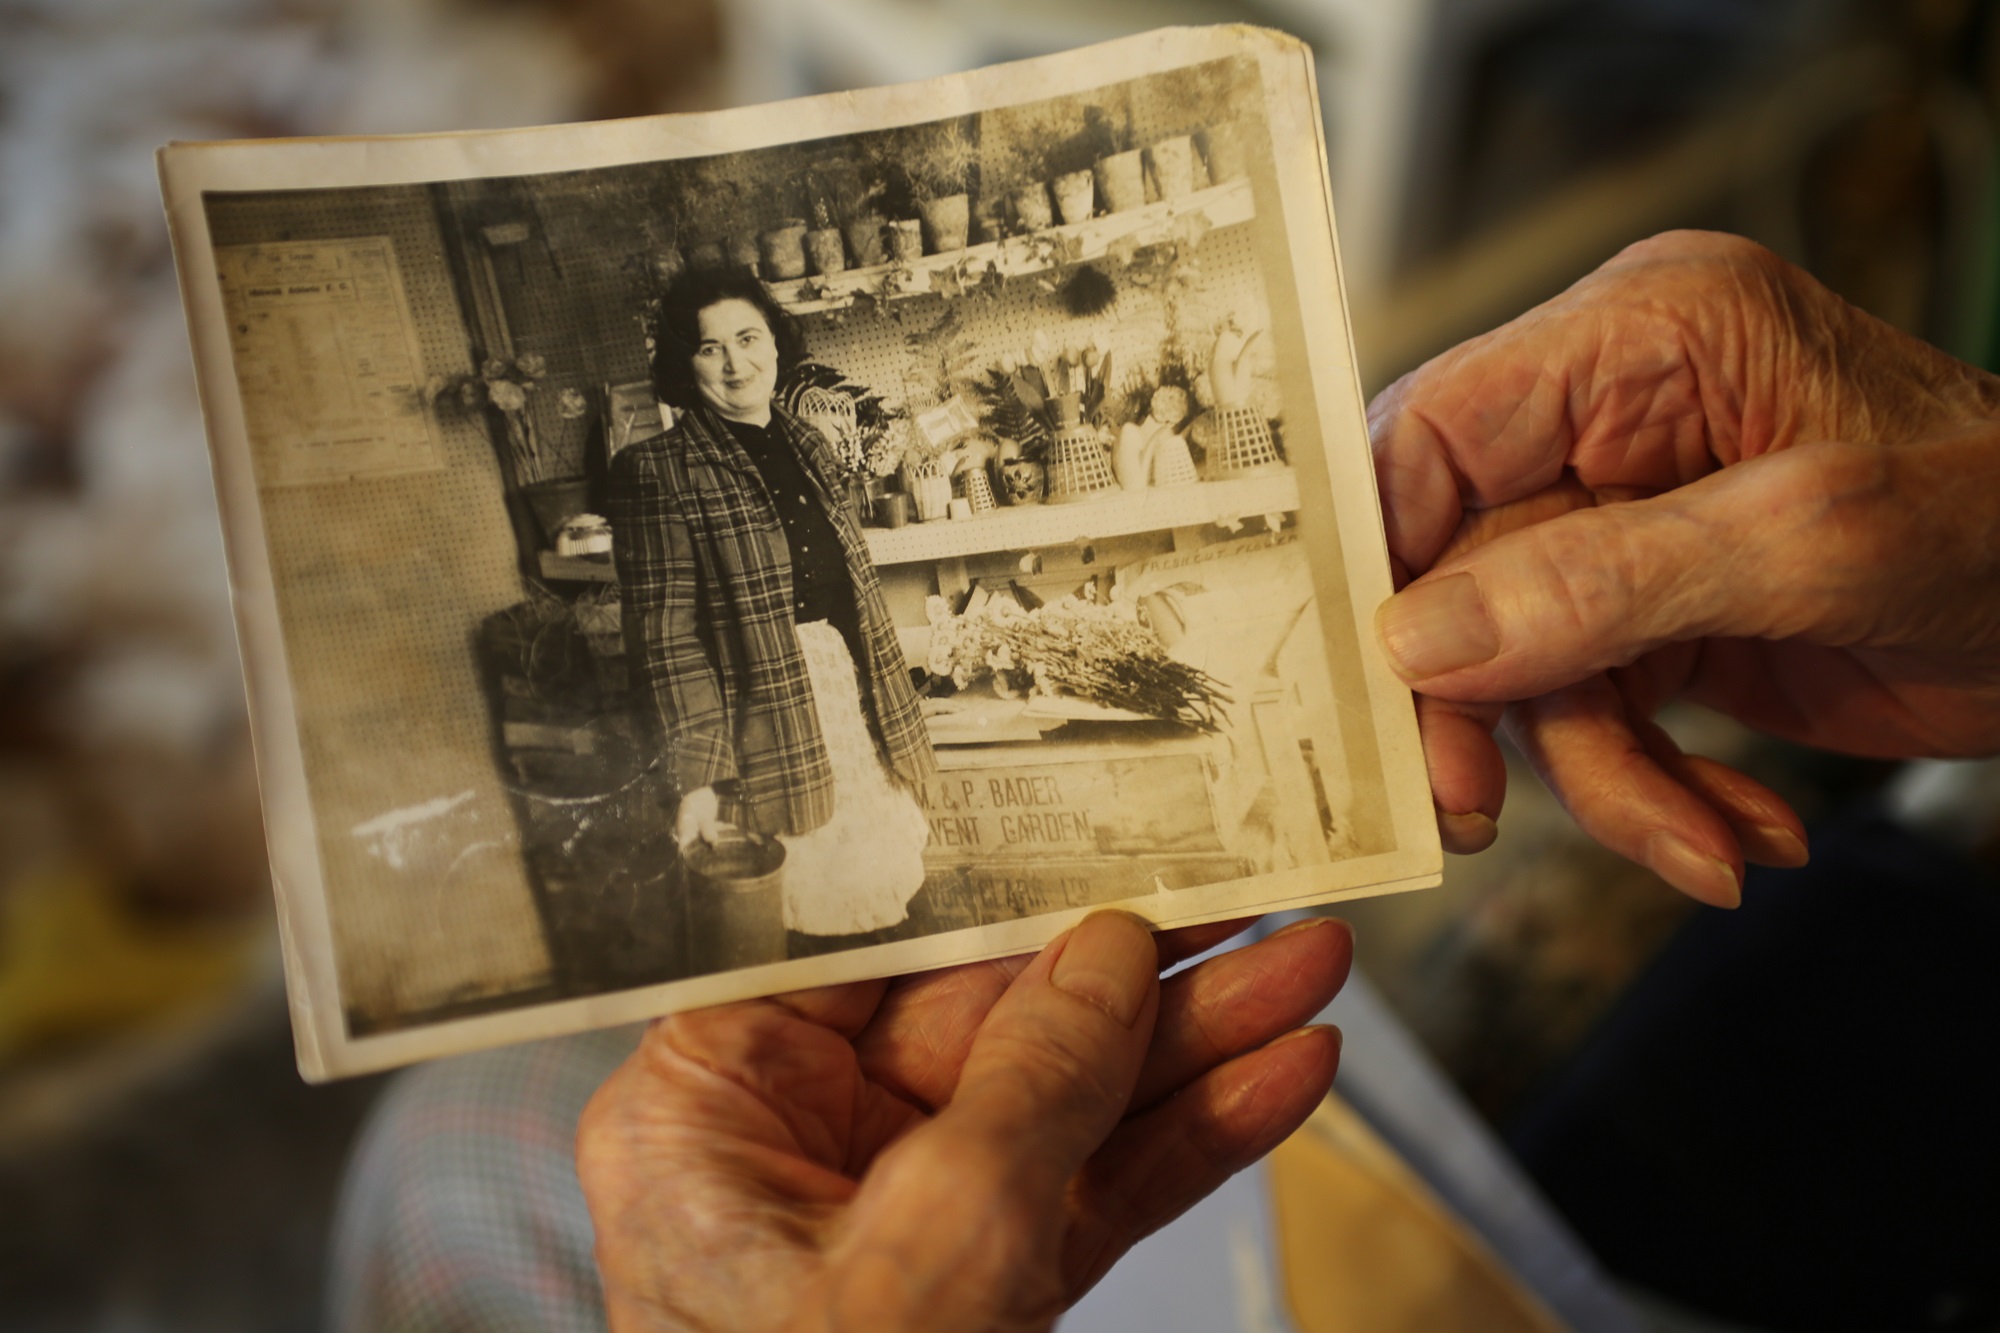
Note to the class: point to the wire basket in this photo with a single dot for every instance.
(1172, 464)
(1245, 447)
(1079, 468)
(978, 490)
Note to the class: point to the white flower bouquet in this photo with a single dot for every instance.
(1095, 651)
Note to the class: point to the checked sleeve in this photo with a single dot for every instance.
(666, 647)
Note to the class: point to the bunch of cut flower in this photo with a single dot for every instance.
(1095, 651)
(1028, 399)
(507, 384)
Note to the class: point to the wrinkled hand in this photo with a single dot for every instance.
(967, 1149)
(1806, 543)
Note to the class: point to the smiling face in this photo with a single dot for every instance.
(736, 362)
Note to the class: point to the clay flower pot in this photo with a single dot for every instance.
(1121, 182)
(1170, 162)
(1032, 211)
(989, 220)
(783, 250)
(946, 222)
(826, 251)
(1222, 147)
(1076, 197)
(743, 248)
(905, 239)
(864, 241)
(668, 265)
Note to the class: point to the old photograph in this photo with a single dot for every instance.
(698, 557)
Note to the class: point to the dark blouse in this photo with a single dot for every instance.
(821, 587)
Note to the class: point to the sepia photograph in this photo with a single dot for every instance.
(698, 557)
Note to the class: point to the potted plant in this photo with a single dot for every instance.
(713, 209)
(826, 251)
(1052, 405)
(1007, 413)
(1223, 149)
(1073, 154)
(847, 194)
(864, 234)
(1121, 174)
(858, 425)
(1012, 180)
(1170, 164)
(940, 167)
(659, 204)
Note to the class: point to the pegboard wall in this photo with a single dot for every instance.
(893, 350)
(380, 583)
(573, 263)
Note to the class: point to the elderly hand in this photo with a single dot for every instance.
(1696, 473)
(966, 1149)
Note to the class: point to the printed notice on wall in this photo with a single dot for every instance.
(326, 360)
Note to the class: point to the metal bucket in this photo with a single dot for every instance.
(736, 903)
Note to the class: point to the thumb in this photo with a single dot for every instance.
(1805, 543)
(965, 1216)
(1055, 1062)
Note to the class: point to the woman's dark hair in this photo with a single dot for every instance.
(677, 329)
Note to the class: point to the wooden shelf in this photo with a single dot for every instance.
(1029, 527)
(1222, 205)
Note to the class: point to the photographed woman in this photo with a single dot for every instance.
(755, 625)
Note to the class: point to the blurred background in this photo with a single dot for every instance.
(1779, 1118)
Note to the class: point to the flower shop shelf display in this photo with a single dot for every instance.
(1036, 527)
(1151, 734)
(1220, 206)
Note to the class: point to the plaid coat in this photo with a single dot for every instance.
(706, 575)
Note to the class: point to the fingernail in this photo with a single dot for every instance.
(1465, 834)
(1310, 1030)
(1778, 846)
(1431, 628)
(1702, 877)
(1109, 961)
(1310, 923)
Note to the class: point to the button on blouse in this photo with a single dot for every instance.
(821, 588)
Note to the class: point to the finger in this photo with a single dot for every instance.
(1054, 1065)
(1184, 942)
(1580, 741)
(1638, 379)
(918, 1037)
(1766, 827)
(755, 1080)
(1500, 418)
(925, 1026)
(1467, 773)
(846, 1008)
(1160, 1164)
(961, 1217)
(1240, 1000)
(1816, 543)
